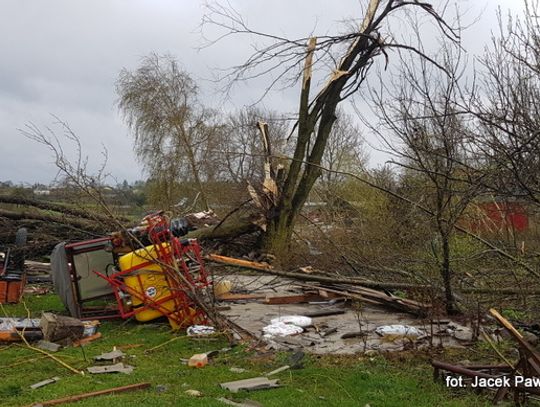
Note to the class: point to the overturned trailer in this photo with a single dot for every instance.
(146, 272)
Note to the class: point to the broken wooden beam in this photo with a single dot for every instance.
(300, 298)
(82, 396)
(239, 297)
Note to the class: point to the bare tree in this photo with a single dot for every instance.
(431, 142)
(506, 106)
(344, 151)
(348, 57)
(173, 131)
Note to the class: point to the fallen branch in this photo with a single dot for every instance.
(359, 291)
(266, 268)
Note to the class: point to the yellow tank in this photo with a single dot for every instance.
(150, 280)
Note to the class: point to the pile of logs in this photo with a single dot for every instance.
(47, 223)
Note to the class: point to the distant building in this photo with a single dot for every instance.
(499, 215)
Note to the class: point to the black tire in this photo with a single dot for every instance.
(21, 237)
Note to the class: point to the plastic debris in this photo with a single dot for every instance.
(281, 329)
(200, 330)
(393, 332)
(198, 360)
(297, 320)
(193, 393)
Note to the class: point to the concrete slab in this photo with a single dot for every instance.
(253, 315)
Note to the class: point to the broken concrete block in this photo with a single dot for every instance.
(44, 383)
(114, 356)
(58, 328)
(256, 383)
(117, 368)
(48, 346)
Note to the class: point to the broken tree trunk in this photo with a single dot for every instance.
(224, 230)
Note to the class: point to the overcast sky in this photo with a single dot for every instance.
(62, 57)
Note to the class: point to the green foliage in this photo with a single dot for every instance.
(514, 314)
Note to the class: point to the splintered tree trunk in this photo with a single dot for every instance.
(277, 236)
(315, 121)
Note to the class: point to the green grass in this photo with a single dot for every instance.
(325, 381)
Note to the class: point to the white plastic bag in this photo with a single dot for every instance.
(281, 329)
(200, 330)
(298, 320)
(398, 331)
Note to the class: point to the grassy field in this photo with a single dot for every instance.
(328, 381)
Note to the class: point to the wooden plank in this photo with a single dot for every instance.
(239, 297)
(238, 262)
(82, 396)
(504, 322)
(525, 346)
(300, 298)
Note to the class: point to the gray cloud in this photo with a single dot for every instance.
(63, 57)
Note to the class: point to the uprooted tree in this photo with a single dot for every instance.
(287, 192)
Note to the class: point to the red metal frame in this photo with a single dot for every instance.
(174, 257)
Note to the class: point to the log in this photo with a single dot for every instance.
(225, 230)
